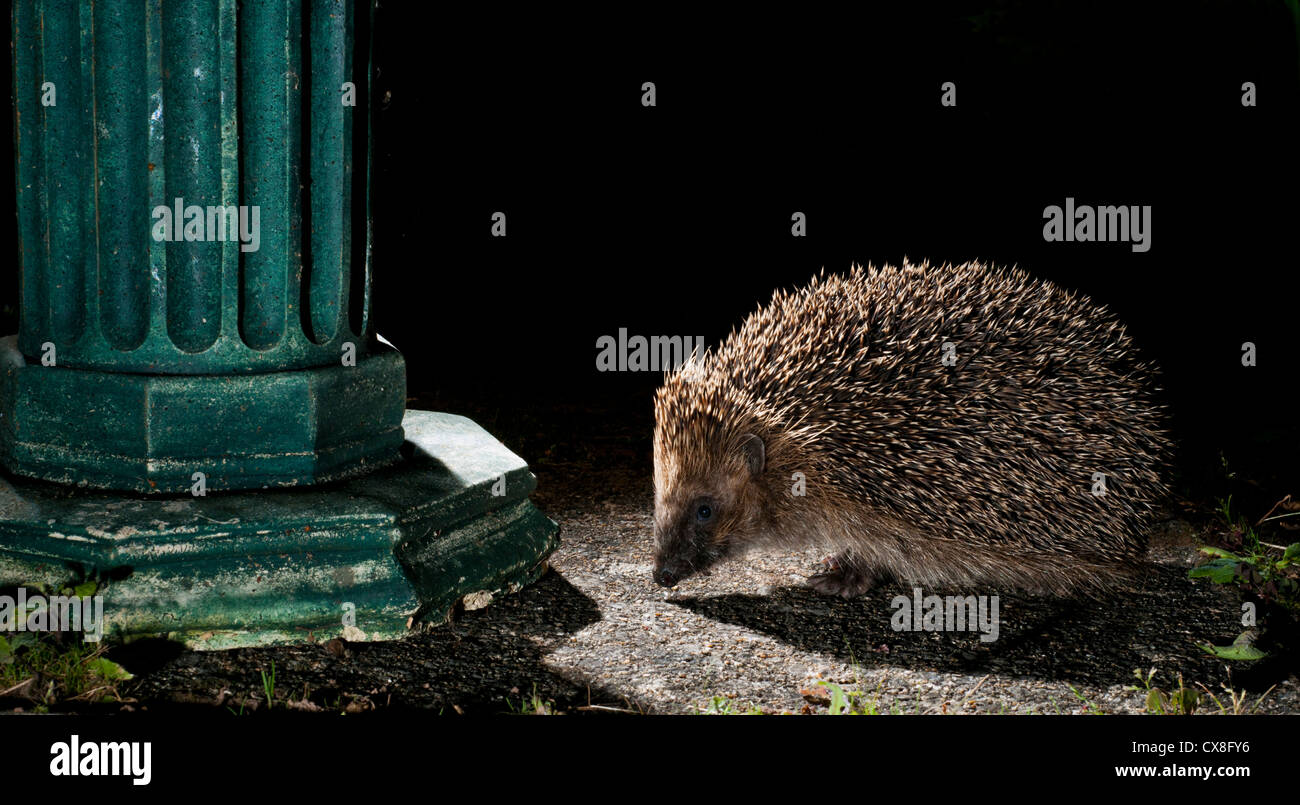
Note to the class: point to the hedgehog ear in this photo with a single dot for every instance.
(755, 453)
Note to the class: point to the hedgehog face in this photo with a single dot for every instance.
(699, 519)
(688, 536)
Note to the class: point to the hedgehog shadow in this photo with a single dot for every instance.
(1093, 642)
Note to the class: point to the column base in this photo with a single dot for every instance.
(364, 559)
(151, 433)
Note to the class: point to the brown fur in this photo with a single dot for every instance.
(973, 474)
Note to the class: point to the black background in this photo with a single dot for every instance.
(745, 759)
(675, 219)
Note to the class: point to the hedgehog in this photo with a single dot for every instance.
(954, 426)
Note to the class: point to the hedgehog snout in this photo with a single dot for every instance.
(670, 569)
(683, 539)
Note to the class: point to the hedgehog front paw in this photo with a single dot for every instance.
(845, 579)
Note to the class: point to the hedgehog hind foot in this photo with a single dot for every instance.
(846, 577)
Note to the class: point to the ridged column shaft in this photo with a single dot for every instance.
(225, 115)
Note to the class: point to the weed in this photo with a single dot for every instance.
(1264, 571)
(37, 669)
(726, 706)
(854, 703)
(532, 707)
(1092, 708)
(1238, 700)
(1182, 701)
(268, 686)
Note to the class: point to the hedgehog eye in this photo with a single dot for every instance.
(704, 512)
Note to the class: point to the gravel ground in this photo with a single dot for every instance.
(596, 636)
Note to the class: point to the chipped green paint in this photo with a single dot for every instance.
(402, 544)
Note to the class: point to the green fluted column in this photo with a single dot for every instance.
(194, 248)
(146, 361)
